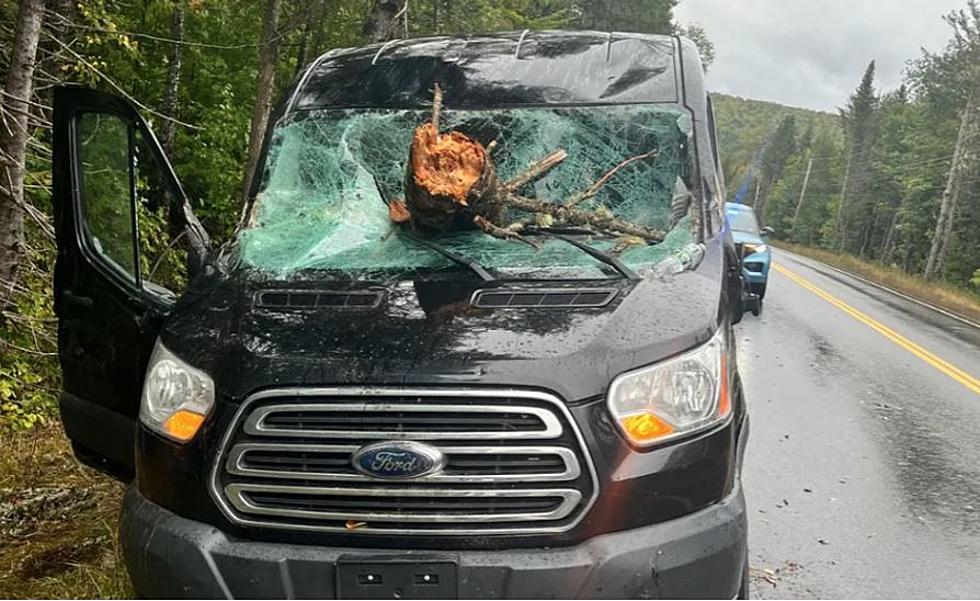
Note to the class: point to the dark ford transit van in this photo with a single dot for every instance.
(331, 405)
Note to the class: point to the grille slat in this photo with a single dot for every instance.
(387, 422)
(512, 462)
(326, 504)
(405, 422)
(421, 506)
(463, 464)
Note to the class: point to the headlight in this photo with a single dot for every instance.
(675, 398)
(751, 249)
(176, 397)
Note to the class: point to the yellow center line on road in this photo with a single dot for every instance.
(945, 367)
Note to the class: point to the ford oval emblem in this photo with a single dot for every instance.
(398, 460)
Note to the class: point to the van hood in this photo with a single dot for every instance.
(746, 238)
(427, 332)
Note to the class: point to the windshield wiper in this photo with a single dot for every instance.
(595, 253)
(455, 258)
(556, 233)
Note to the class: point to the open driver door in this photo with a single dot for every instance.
(127, 246)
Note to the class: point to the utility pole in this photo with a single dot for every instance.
(799, 204)
(840, 205)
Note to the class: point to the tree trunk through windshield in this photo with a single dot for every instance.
(452, 184)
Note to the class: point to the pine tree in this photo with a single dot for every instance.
(781, 147)
(859, 119)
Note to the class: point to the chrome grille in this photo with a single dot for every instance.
(514, 462)
(388, 421)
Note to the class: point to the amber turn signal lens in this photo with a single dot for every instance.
(645, 427)
(724, 401)
(183, 425)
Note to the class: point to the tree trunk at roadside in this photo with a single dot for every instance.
(382, 22)
(13, 141)
(265, 82)
(962, 156)
(171, 99)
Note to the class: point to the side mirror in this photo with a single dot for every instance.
(768, 231)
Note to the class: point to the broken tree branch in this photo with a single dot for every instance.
(602, 181)
(436, 106)
(597, 220)
(537, 170)
(451, 183)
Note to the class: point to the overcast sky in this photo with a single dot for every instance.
(812, 53)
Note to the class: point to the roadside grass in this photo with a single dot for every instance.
(57, 522)
(941, 294)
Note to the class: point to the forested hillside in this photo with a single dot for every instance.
(893, 178)
(746, 127)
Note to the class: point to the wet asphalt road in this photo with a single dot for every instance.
(862, 473)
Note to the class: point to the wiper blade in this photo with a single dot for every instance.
(455, 258)
(595, 253)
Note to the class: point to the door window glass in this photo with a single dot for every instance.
(103, 152)
(117, 161)
(162, 247)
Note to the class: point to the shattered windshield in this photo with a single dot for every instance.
(743, 221)
(331, 174)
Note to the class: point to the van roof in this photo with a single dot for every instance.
(497, 70)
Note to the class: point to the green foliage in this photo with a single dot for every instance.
(447, 17)
(746, 126)
(896, 148)
(696, 33)
(646, 16)
(29, 371)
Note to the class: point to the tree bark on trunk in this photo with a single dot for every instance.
(172, 96)
(951, 193)
(265, 82)
(13, 140)
(382, 22)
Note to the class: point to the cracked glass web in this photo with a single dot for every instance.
(330, 174)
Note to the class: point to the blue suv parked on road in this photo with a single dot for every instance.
(751, 245)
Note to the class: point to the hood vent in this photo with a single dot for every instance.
(546, 299)
(313, 299)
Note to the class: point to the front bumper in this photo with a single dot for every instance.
(700, 555)
(756, 267)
